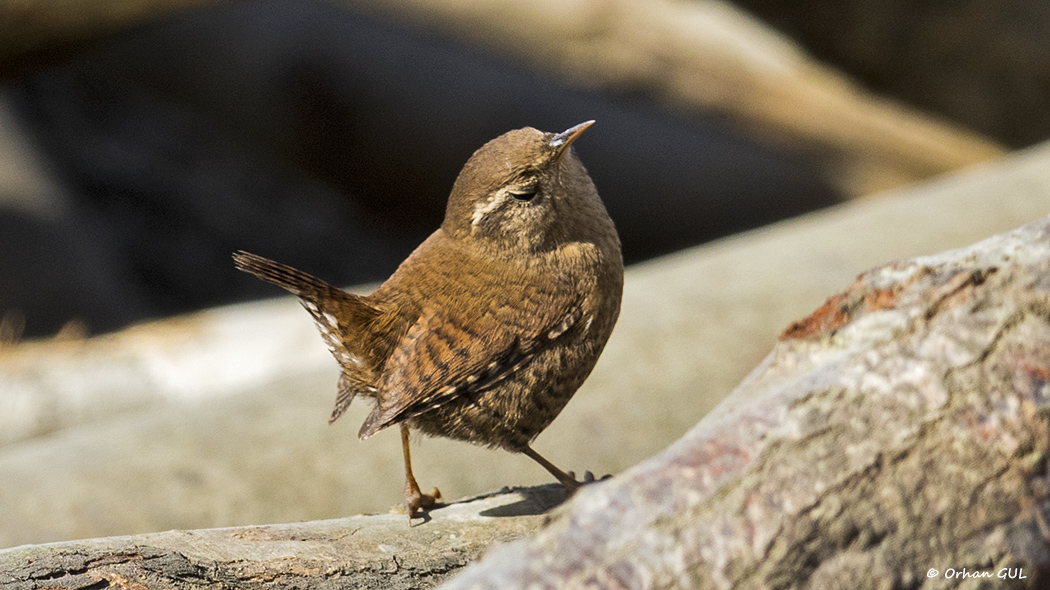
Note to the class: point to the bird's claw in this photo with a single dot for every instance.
(418, 500)
(588, 478)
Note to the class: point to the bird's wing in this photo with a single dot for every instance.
(459, 352)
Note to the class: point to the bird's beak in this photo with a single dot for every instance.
(563, 140)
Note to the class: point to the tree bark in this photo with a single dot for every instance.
(895, 438)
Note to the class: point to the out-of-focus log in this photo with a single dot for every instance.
(704, 54)
(708, 54)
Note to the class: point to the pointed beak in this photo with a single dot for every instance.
(563, 140)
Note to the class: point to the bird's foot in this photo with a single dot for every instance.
(567, 480)
(416, 500)
(572, 485)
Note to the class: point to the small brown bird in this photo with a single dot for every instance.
(490, 326)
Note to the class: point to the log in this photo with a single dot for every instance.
(896, 437)
(903, 48)
(711, 56)
(375, 551)
(703, 56)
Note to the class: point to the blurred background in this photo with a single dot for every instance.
(142, 141)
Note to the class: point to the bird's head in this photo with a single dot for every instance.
(526, 192)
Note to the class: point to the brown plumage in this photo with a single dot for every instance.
(489, 327)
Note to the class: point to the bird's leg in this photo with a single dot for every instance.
(414, 498)
(566, 479)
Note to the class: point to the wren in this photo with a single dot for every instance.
(489, 327)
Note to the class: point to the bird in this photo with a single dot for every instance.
(488, 328)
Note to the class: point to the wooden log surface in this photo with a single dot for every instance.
(376, 551)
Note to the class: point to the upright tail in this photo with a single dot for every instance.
(298, 282)
(341, 317)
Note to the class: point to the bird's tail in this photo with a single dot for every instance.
(341, 317)
(298, 282)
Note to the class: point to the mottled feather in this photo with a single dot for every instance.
(452, 354)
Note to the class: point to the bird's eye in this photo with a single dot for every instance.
(523, 194)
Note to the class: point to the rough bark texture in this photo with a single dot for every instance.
(378, 551)
(901, 428)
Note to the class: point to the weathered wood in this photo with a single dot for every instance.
(900, 430)
(378, 551)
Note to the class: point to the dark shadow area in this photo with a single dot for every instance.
(424, 517)
(536, 500)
